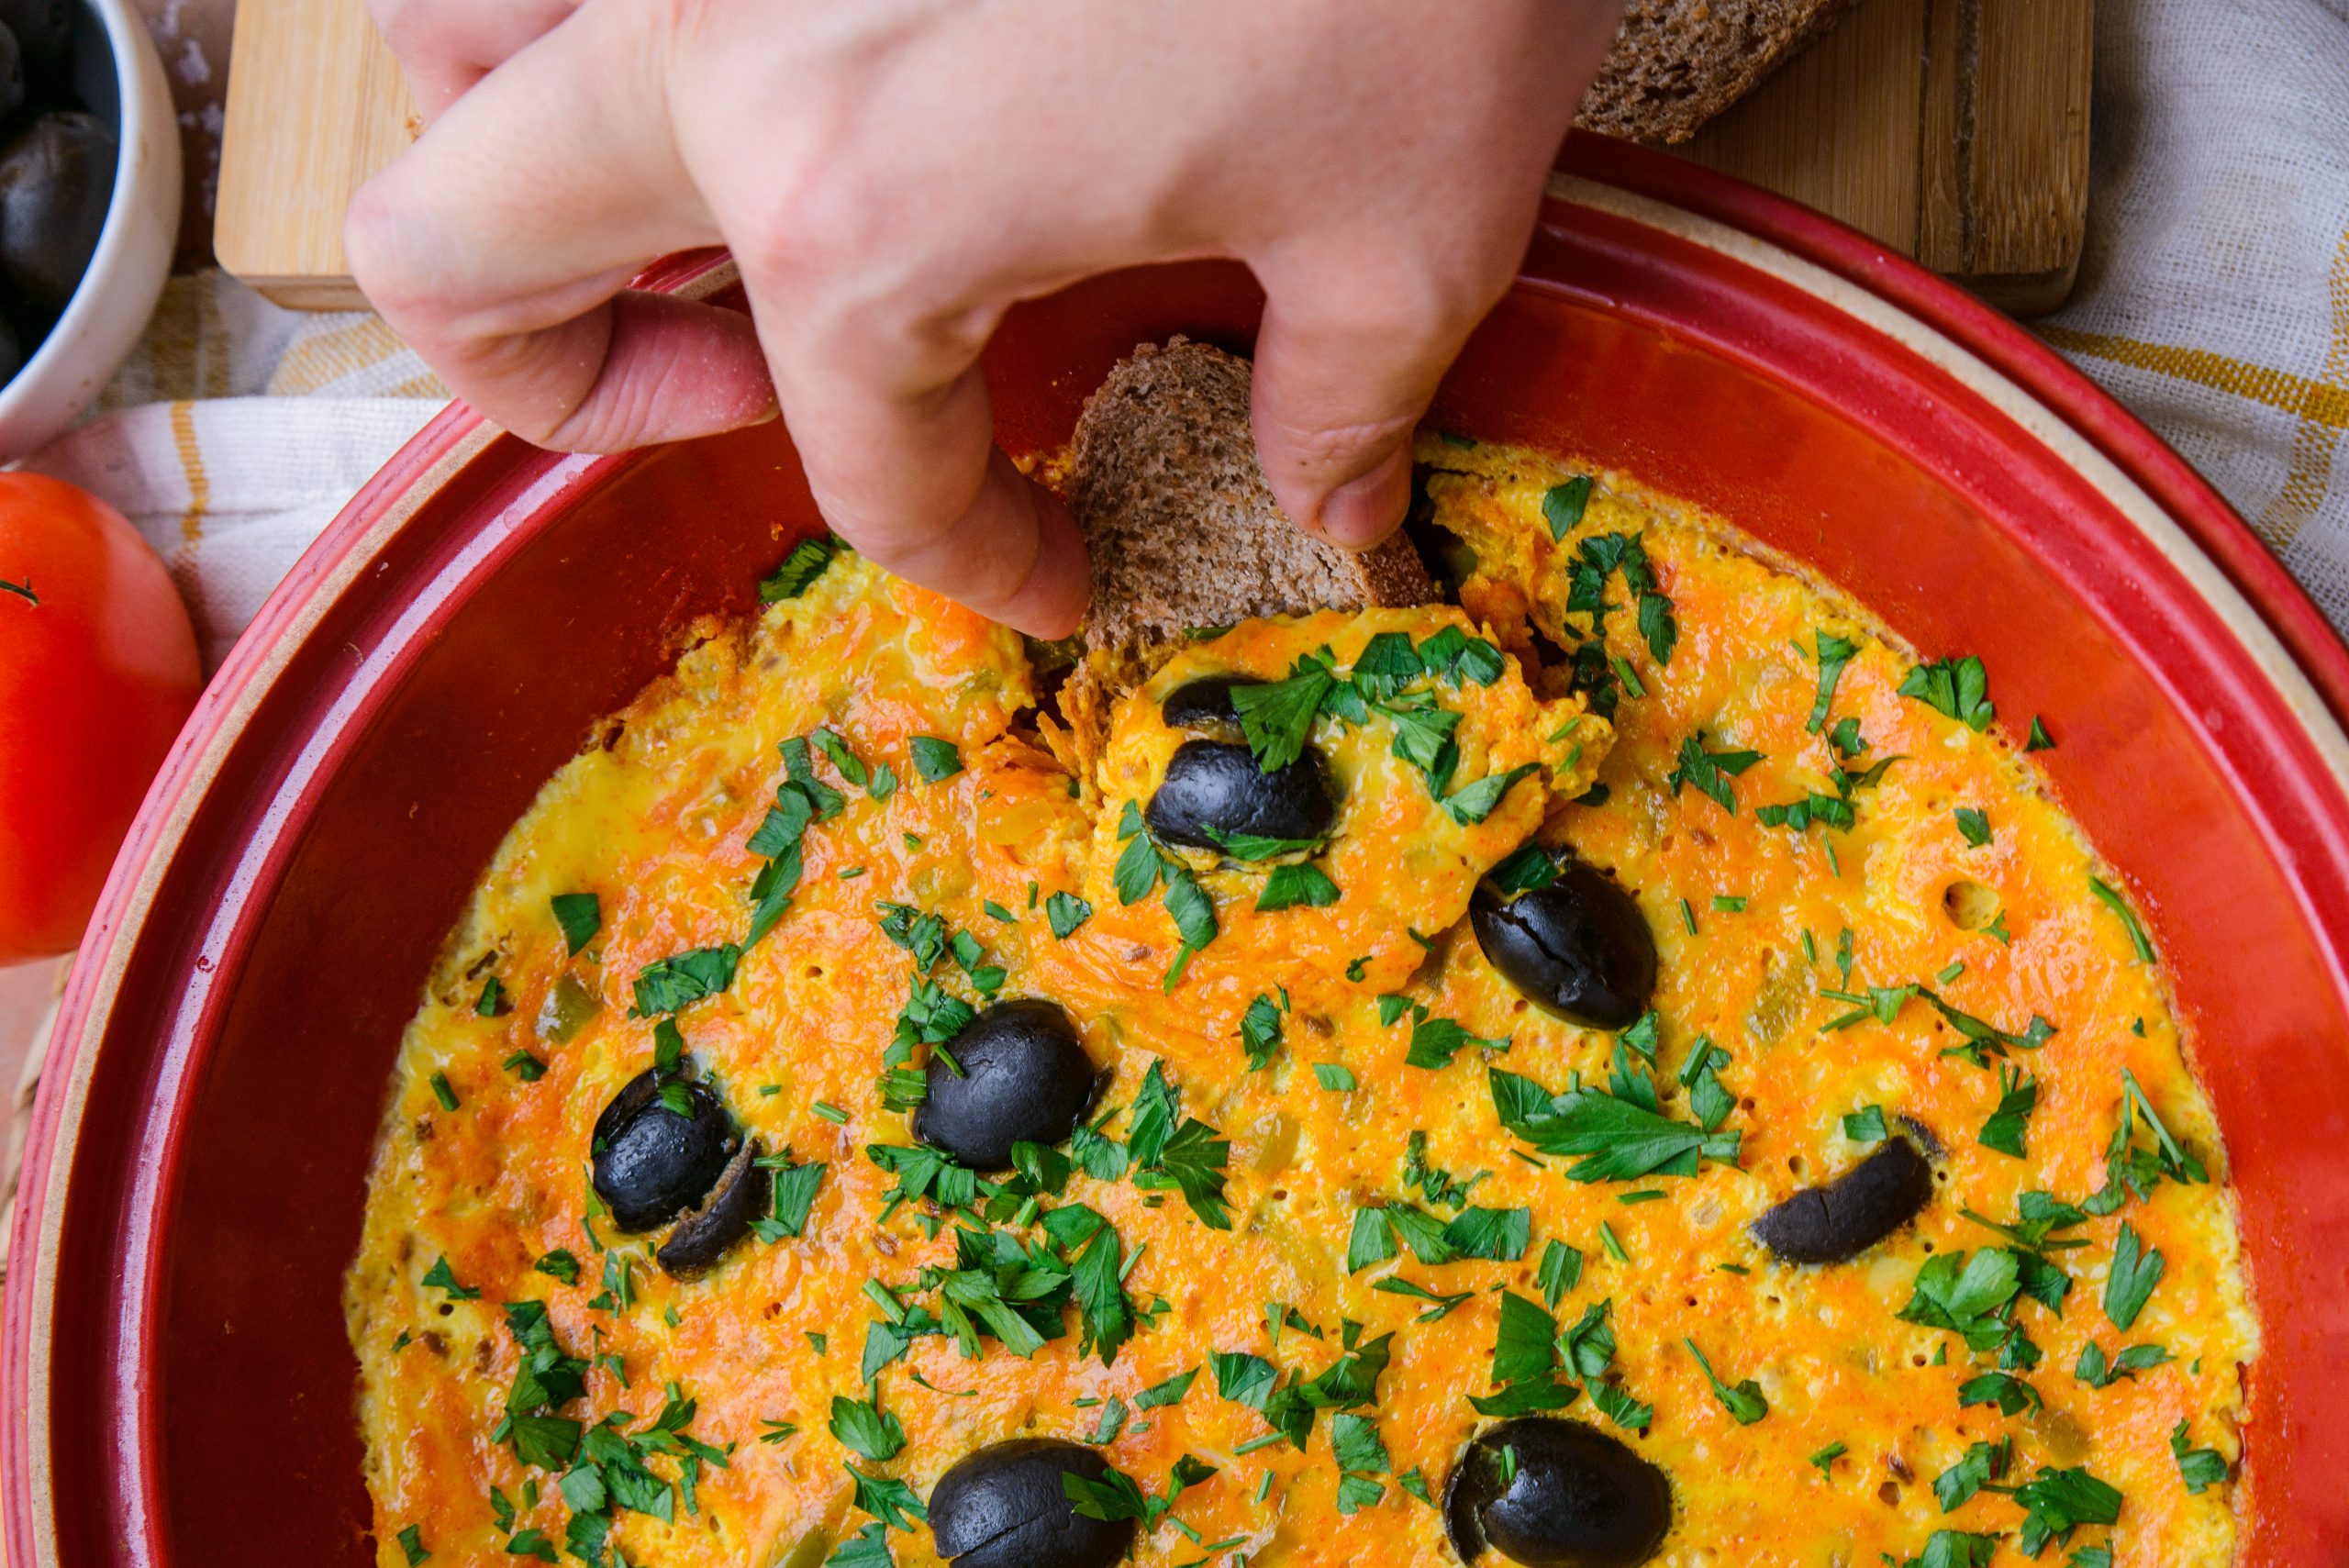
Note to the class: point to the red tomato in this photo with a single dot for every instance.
(97, 672)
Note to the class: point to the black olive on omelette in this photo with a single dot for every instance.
(1017, 1073)
(1356, 1240)
(1008, 1506)
(1556, 1494)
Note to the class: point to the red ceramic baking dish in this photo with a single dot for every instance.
(177, 1386)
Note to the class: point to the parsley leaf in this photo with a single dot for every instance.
(2059, 1501)
(2202, 1468)
(2018, 1097)
(1833, 652)
(1066, 912)
(1289, 885)
(440, 1276)
(1973, 825)
(1260, 1032)
(1957, 687)
(1277, 715)
(1710, 772)
(580, 916)
(802, 566)
(1255, 846)
(667, 985)
(935, 759)
(2109, 896)
(1983, 1463)
(861, 1424)
(1528, 869)
(1620, 1140)
(1435, 1042)
(1563, 505)
(1966, 1295)
(1866, 1125)
(1744, 1403)
(2135, 1272)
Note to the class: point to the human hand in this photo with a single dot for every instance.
(892, 176)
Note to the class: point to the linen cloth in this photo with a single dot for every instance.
(2213, 296)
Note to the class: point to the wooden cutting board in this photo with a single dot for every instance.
(1954, 131)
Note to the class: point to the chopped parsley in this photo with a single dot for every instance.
(579, 916)
(1973, 825)
(2099, 1371)
(1710, 771)
(1289, 885)
(1866, 1125)
(1335, 1076)
(1833, 653)
(1563, 505)
(805, 562)
(935, 759)
(1744, 1403)
(1260, 1032)
(1957, 687)
(2018, 1097)
(2109, 896)
(1435, 1042)
(2129, 1282)
(667, 985)
(2202, 1468)
(791, 1195)
(1621, 1136)
(1066, 912)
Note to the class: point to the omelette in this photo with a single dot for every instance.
(1627, 1065)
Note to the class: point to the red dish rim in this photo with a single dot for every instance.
(457, 434)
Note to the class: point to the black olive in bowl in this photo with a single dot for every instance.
(651, 1164)
(1843, 1219)
(1004, 1506)
(1578, 948)
(1217, 783)
(44, 32)
(12, 75)
(709, 1232)
(1025, 1079)
(1550, 1492)
(56, 178)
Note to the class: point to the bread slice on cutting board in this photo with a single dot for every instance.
(1676, 63)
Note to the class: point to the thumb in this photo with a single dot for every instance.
(1347, 359)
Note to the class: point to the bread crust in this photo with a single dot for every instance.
(1181, 529)
(1676, 63)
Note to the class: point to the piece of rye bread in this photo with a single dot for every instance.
(1182, 529)
(1676, 63)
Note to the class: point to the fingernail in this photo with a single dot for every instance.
(1363, 511)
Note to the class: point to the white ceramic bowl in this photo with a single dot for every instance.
(122, 81)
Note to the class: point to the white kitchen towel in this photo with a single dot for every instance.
(2213, 300)
(237, 431)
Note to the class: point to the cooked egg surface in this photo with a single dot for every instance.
(1339, 1176)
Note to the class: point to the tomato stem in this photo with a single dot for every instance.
(23, 590)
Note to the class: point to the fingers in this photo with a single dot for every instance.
(498, 247)
(447, 46)
(898, 436)
(1347, 359)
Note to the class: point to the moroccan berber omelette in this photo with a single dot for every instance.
(1627, 1064)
